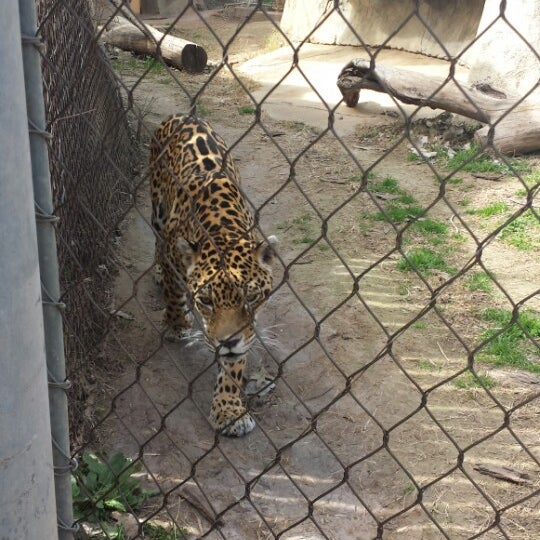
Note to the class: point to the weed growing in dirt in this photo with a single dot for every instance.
(511, 347)
(304, 240)
(424, 261)
(523, 232)
(474, 159)
(532, 181)
(469, 380)
(101, 487)
(246, 110)
(386, 185)
(133, 64)
(426, 365)
(419, 324)
(302, 225)
(413, 156)
(203, 110)
(430, 227)
(465, 202)
(358, 177)
(396, 213)
(492, 209)
(479, 281)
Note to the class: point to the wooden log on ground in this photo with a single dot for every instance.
(144, 39)
(512, 129)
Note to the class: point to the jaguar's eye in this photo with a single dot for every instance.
(253, 297)
(205, 301)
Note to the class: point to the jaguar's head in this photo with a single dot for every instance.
(228, 287)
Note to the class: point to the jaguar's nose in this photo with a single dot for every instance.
(229, 343)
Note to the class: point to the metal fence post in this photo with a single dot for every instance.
(48, 265)
(27, 500)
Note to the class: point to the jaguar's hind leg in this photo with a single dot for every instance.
(178, 318)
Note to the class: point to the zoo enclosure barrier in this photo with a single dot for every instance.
(91, 116)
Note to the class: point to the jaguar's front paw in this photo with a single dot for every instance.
(232, 421)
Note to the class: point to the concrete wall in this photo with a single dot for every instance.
(502, 57)
(455, 23)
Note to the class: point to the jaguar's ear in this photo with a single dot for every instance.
(188, 252)
(266, 252)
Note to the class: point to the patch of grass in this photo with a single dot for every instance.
(323, 247)
(465, 202)
(133, 64)
(511, 347)
(386, 185)
(523, 232)
(492, 209)
(302, 223)
(406, 198)
(419, 324)
(430, 226)
(458, 237)
(479, 281)
(426, 365)
(455, 181)
(403, 290)
(246, 110)
(468, 381)
(202, 110)
(424, 261)
(359, 176)
(398, 214)
(413, 156)
(304, 240)
(475, 160)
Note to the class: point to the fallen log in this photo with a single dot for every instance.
(144, 39)
(512, 127)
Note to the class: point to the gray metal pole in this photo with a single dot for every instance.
(27, 503)
(48, 265)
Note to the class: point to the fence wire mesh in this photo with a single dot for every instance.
(92, 156)
(401, 333)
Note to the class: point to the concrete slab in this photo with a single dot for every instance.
(308, 91)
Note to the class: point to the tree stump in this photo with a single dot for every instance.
(144, 39)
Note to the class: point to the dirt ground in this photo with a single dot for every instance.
(364, 424)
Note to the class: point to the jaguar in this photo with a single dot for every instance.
(209, 259)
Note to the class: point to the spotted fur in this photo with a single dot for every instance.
(207, 252)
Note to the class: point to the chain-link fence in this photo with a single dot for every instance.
(401, 332)
(93, 157)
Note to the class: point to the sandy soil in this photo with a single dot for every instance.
(360, 439)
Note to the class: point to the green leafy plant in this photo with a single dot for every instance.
(101, 487)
